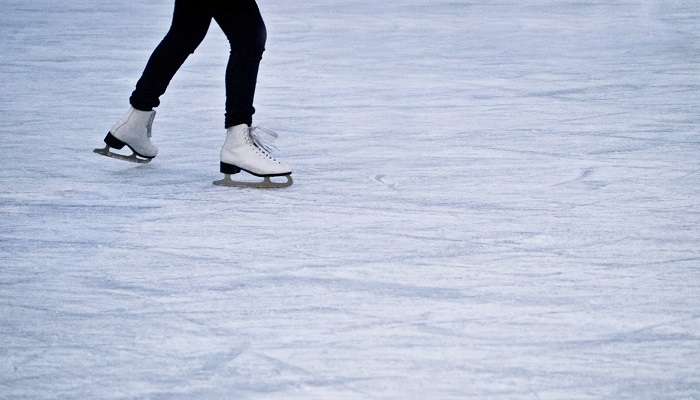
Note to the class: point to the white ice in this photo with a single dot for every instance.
(493, 200)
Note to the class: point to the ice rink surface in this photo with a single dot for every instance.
(494, 200)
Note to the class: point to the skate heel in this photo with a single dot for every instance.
(228, 169)
(113, 142)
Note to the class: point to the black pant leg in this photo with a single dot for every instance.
(191, 20)
(241, 22)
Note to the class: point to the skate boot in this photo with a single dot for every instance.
(133, 131)
(245, 150)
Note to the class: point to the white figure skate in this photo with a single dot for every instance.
(133, 131)
(245, 150)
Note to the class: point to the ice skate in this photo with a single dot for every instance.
(245, 150)
(133, 131)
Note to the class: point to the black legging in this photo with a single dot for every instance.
(244, 27)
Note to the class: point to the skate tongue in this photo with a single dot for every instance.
(263, 138)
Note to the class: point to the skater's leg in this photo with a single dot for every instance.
(190, 23)
(243, 149)
(243, 25)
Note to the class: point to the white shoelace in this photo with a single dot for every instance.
(150, 124)
(263, 138)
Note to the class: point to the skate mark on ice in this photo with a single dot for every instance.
(372, 286)
(425, 325)
(689, 174)
(644, 334)
(282, 365)
(311, 378)
(563, 156)
(30, 378)
(215, 362)
(627, 148)
(585, 173)
(381, 178)
(594, 116)
(571, 93)
(124, 287)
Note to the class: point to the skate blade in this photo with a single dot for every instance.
(267, 183)
(131, 158)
